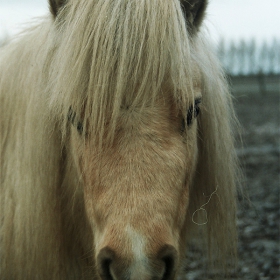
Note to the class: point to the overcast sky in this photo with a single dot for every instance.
(232, 19)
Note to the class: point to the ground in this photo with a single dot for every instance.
(259, 217)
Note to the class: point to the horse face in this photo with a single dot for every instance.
(136, 191)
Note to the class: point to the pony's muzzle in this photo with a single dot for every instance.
(162, 267)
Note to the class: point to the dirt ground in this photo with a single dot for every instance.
(258, 220)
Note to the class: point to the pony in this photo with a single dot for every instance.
(117, 145)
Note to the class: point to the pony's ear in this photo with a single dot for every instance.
(55, 6)
(194, 11)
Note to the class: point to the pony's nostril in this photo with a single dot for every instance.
(105, 269)
(169, 268)
(104, 261)
(168, 255)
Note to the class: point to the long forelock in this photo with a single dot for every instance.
(118, 53)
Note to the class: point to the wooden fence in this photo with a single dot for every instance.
(260, 84)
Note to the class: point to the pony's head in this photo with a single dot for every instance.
(144, 116)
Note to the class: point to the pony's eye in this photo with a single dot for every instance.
(192, 113)
(80, 127)
(72, 118)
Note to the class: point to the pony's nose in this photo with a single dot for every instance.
(112, 267)
(105, 260)
(168, 255)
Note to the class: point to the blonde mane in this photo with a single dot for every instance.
(98, 58)
(128, 54)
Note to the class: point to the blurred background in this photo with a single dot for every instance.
(246, 36)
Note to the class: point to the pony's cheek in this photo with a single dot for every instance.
(183, 205)
(96, 220)
(80, 151)
(184, 197)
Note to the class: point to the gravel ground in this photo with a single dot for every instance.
(259, 216)
(259, 220)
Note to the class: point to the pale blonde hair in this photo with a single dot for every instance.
(97, 57)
